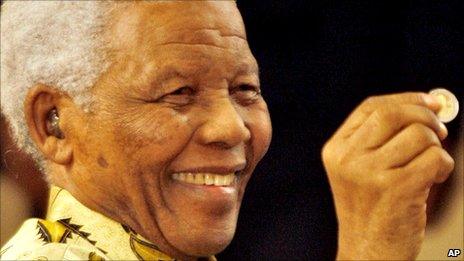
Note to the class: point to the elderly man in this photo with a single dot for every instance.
(147, 119)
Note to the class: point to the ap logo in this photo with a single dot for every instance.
(454, 252)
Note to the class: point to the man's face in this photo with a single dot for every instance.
(179, 105)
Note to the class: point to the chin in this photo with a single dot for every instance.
(204, 236)
(208, 244)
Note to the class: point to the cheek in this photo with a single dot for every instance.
(260, 127)
(143, 127)
(152, 138)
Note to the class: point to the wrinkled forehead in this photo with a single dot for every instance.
(216, 23)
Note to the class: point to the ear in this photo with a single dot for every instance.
(40, 100)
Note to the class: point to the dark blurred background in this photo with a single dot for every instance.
(318, 60)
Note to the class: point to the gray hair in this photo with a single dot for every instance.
(56, 43)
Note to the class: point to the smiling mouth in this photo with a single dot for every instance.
(210, 179)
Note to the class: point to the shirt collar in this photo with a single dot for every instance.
(118, 242)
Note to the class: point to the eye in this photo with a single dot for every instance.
(246, 93)
(179, 97)
(246, 87)
(183, 91)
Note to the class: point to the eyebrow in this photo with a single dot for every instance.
(247, 68)
(169, 71)
(172, 71)
(159, 75)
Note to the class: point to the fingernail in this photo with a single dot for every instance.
(443, 131)
(431, 100)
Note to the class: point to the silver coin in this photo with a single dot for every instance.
(449, 104)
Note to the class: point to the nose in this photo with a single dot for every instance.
(224, 127)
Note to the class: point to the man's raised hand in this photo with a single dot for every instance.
(381, 164)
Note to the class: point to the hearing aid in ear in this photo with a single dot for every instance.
(53, 124)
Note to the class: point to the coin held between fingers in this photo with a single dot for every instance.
(449, 104)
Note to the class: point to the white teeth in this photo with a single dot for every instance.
(218, 180)
(205, 178)
(199, 179)
(209, 179)
(229, 179)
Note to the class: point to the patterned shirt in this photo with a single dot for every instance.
(72, 231)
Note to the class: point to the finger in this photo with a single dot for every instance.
(406, 145)
(386, 121)
(364, 110)
(431, 166)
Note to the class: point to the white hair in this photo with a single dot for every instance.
(56, 43)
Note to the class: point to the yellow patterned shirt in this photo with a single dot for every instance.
(71, 231)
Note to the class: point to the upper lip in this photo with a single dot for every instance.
(219, 169)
